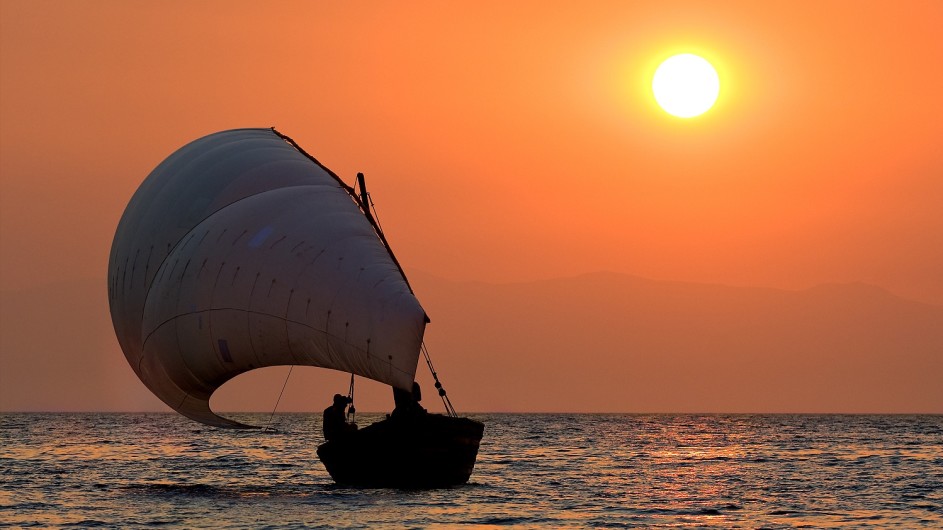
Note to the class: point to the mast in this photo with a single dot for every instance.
(365, 201)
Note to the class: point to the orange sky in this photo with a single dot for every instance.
(503, 141)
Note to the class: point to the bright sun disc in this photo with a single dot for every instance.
(686, 85)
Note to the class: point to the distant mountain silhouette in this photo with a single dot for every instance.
(596, 342)
(613, 342)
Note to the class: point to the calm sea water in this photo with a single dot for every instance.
(534, 470)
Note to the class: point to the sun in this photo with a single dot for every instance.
(686, 85)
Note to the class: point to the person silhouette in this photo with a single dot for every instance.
(335, 419)
(407, 403)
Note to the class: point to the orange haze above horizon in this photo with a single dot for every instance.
(502, 142)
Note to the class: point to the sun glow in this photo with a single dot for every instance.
(686, 85)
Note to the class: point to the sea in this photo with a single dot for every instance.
(533, 471)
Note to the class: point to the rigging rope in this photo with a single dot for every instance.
(370, 205)
(449, 409)
(269, 426)
(351, 412)
(375, 214)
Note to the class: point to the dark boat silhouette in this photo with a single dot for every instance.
(428, 451)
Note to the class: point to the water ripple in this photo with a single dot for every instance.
(534, 470)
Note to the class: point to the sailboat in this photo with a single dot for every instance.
(242, 251)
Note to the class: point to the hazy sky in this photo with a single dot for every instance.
(503, 141)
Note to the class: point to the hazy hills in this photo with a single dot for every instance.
(614, 342)
(597, 342)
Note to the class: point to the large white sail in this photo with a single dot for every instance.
(239, 251)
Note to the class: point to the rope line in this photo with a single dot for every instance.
(351, 412)
(375, 214)
(449, 409)
(269, 426)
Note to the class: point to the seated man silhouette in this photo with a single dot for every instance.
(335, 419)
(407, 403)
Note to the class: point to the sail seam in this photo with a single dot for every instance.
(186, 167)
(365, 208)
(169, 320)
(173, 248)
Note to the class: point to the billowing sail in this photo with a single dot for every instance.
(239, 251)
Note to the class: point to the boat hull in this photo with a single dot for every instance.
(427, 451)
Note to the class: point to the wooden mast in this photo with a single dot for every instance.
(365, 200)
